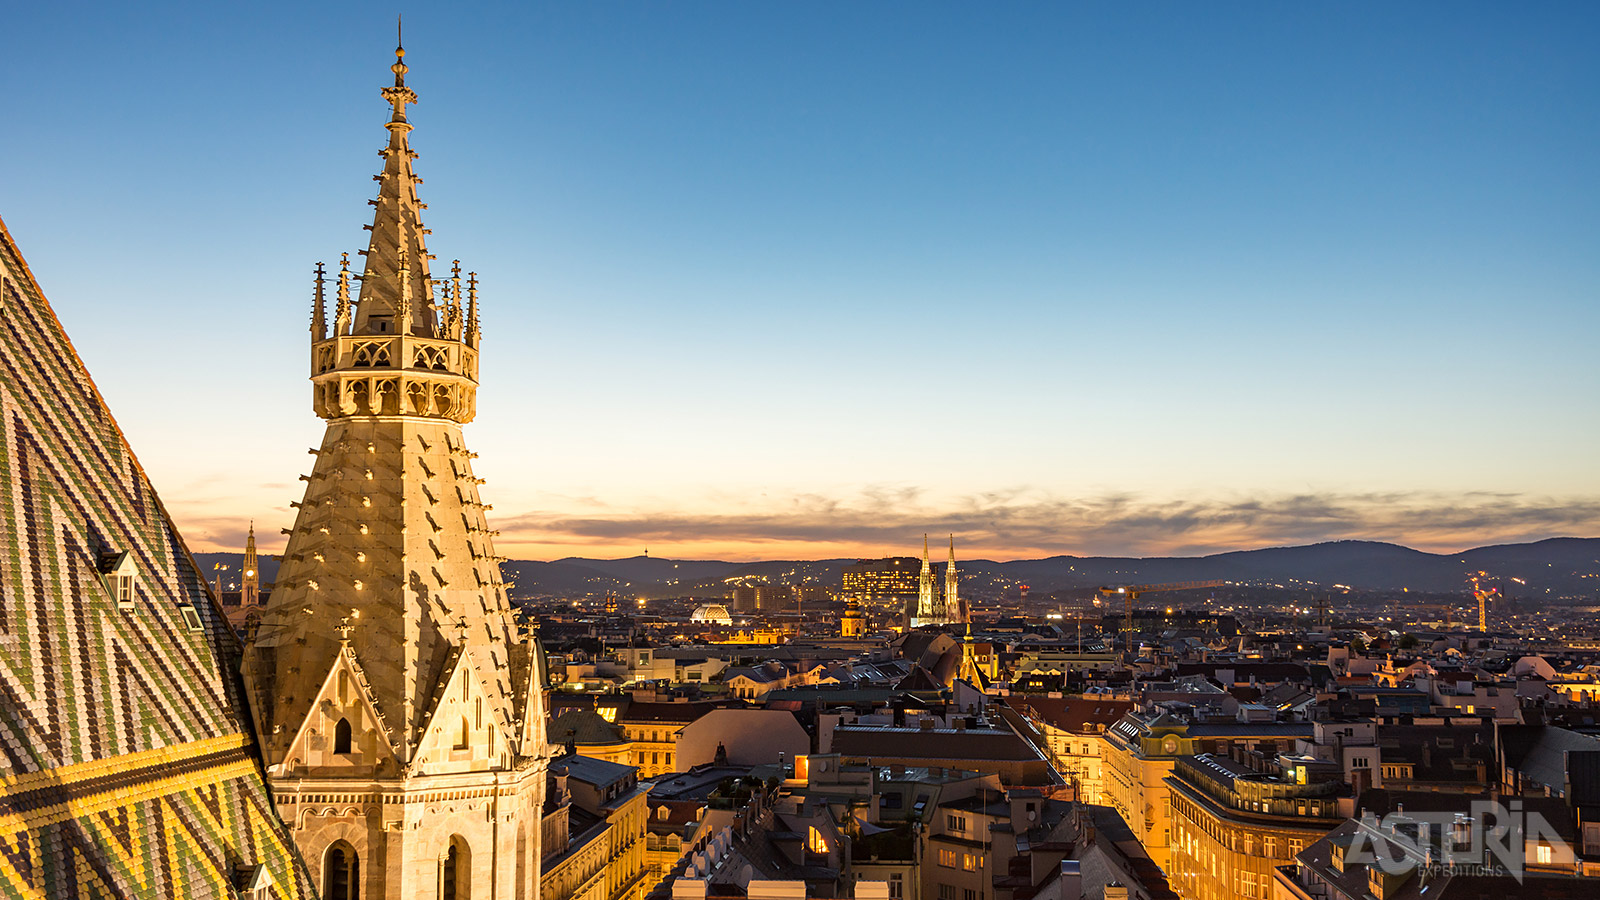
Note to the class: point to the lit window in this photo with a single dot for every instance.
(947, 858)
(814, 841)
(969, 862)
(1545, 854)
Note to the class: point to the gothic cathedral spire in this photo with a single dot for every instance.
(953, 609)
(387, 666)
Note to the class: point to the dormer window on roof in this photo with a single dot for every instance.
(117, 569)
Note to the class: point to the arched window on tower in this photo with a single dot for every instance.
(341, 873)
(341, 736)
(455, 871)
(463, 737)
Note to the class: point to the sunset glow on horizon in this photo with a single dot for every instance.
(780, 282)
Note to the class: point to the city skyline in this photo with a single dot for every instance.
(914, 276)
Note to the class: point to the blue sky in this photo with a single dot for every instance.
(811, 279)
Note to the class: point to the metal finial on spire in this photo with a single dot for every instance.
(399, 95)
(399, 68)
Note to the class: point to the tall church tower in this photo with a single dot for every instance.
(250, 575)
(930, 610)
(953, 608)
(400, 717)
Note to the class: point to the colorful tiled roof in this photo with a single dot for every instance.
(125, 765)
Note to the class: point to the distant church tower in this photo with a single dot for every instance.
(853, 623)
(954, 610)
(400, 718)
(250, 577)
(934, 608)
(930, 606)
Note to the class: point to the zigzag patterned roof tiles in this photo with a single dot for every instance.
(126, 765)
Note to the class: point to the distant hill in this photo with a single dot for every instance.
(1558, 567)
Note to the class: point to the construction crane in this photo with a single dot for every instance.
(1482, 593)
(1131, 592)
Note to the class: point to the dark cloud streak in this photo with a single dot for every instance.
(1024, 523)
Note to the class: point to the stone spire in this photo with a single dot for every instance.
(928, 612)
(250, 583)
(969, 670)
(391, 532)
(395, 287)
(319, 308)
(952, 600)
(395, 349)
(387, 669)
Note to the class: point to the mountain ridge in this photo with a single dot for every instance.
(1554, 567)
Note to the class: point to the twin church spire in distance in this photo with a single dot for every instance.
(932, 608)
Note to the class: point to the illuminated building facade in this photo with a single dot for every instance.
(1233, 826)
(1141, 749)
(1074, 729)
(880, 583)
(596, 821)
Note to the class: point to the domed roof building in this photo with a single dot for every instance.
(712, 614)
(587, 733)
